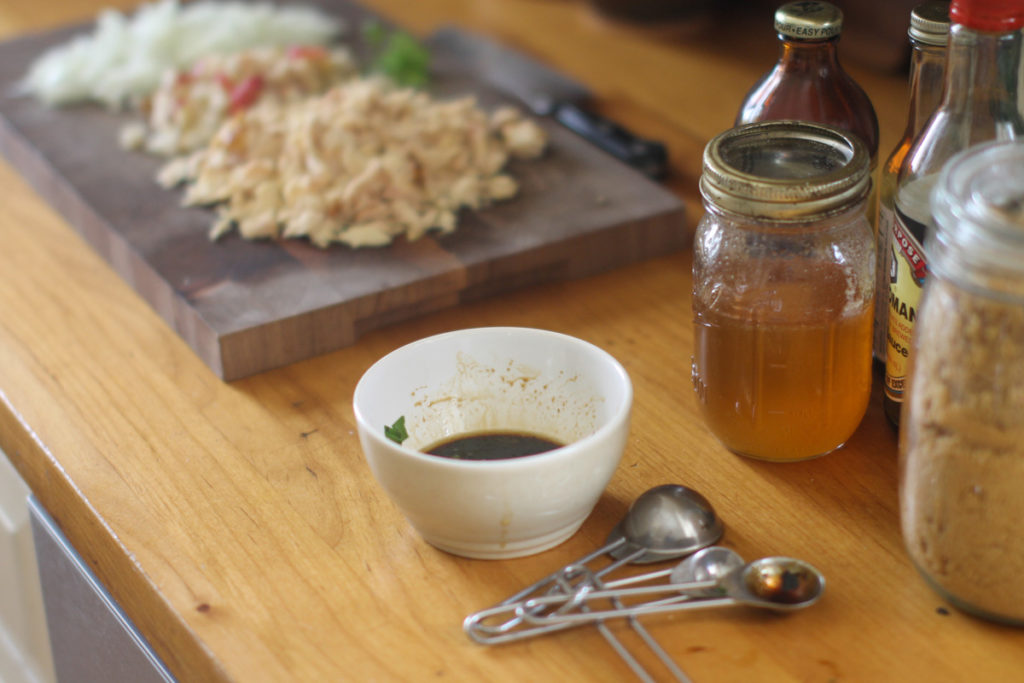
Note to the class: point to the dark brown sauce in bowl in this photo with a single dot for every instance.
(492, 445)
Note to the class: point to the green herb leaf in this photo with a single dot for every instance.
(397, 55)
(396, 432)
(374, 33)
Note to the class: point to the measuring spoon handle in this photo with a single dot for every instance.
(523, 631)
(576, 618)
(586, 594)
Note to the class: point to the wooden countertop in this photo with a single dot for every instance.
(238, 524)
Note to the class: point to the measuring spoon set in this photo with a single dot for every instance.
(665, 523)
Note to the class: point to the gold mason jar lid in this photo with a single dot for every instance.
(929, 23)
(788, 171)
(809, 20)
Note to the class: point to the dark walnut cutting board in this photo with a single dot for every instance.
(245, 307)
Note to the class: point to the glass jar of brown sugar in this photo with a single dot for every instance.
(962, 428)
(783, 280)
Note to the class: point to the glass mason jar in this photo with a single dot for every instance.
(962, 426)
(783, 281)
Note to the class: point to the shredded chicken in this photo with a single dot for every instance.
(361, 164)
(190, 105)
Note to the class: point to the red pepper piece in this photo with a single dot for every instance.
(306, 52)
(245, 93)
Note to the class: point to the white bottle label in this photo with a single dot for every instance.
(907, 271)
(884, 254)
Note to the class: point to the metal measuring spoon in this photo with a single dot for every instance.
(709, 564)
(665, 522)
(776, 583)
(706, 565)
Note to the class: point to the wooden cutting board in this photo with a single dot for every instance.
(245, 307)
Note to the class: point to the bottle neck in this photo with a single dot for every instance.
(808, 53)
(979, 100)
(983, 68)
(927, 75)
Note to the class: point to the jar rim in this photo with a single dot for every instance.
(785, 170)
(977, 204)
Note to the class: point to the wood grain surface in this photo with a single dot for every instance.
(241, 530)
(245, 307)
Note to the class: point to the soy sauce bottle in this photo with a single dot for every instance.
(928, 33)
(808, 83)
(979, 103)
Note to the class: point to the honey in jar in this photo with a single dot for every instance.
(783, 279)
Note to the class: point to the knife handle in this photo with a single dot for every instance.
(648, 156)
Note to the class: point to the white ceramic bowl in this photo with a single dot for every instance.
(492, 378)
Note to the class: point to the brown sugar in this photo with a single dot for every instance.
(962, 450)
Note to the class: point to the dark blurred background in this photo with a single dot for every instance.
(874, 31)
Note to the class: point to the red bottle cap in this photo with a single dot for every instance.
(988, 15)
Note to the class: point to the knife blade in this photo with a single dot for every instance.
(544, 91)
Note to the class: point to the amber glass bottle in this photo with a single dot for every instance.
(808, 83)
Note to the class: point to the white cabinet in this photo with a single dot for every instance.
(24, 644)
(92, 639)
(57, 621)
